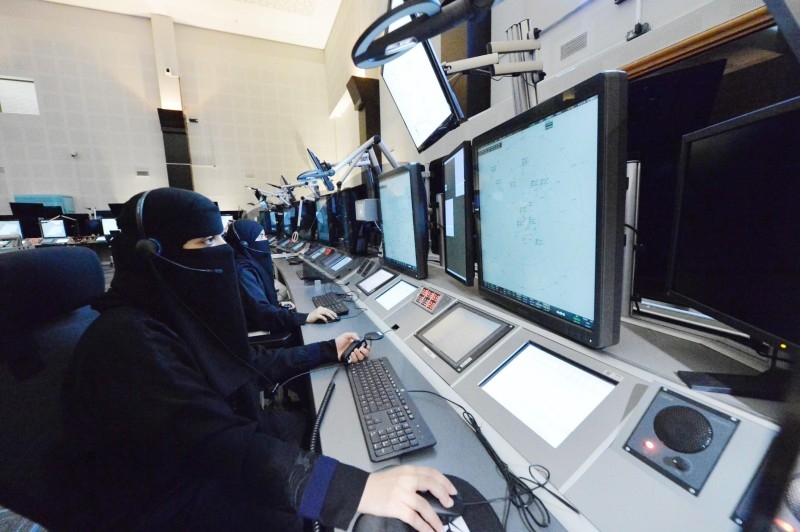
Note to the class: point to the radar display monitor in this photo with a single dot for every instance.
(404, 220)
(736, 234)
(548, 393)
(459, 255)
(461, 334)
(552, 196)
(424, 97)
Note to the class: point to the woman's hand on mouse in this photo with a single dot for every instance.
(344, 340)
(393, 493)
(323, 314)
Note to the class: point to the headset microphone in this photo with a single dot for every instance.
(148, 249)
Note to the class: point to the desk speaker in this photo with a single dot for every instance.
(681, 439)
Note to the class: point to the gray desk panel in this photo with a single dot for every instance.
(609, 485)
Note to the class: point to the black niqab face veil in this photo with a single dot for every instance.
(186, 288)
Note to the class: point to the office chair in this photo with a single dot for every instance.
(45, 310)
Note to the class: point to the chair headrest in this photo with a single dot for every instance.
(40, 284)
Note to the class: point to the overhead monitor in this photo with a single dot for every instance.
(424, 98)
(404, 220)
(552, 195)
(459, 248)
(734, 250)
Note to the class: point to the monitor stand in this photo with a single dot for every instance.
(771, 384)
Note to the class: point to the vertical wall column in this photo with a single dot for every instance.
(170, 114)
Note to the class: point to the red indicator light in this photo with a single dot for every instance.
(649, 445)
(783, 525)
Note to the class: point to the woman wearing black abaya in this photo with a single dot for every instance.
(163, 425)
(257, 283)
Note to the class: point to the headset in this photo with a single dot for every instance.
(246, 245)
(148, 248)
(145, 247)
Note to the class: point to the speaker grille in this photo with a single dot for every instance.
(683, 429)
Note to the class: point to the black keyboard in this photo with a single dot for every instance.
(390, 421)
(331, 301)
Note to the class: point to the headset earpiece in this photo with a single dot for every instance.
(145, 247)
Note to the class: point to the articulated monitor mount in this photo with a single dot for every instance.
(363, 156)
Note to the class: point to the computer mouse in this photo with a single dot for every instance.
(331, 320)
(447, 515)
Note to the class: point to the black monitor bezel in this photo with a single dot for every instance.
(360, 284)
(755, 332)
(456, 114)
(611, 89)
(503, 328)
(419, 207)
(469, 216)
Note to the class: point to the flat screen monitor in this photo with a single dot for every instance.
(736, 231)
(424, 98)
(552, 194)
(109, 224)
(226, 219)
(289, 220)
(370, 284)
(460, 334)
(550, 394)
(459, 248)
(53, 228)
(404, 208)
(10, 228)
(27, 210)
(323, 220)
(395, 294)
(116, 209)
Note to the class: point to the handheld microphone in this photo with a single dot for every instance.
(147, 249)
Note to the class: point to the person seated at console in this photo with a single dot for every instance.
(164, 427)
(256, 273)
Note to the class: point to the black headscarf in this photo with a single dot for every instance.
(254, 253)
(194, 291)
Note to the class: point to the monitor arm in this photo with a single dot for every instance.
(364, 155)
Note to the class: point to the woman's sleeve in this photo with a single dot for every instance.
(260, 313)
(285, 362)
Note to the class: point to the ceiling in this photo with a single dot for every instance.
(300, 22)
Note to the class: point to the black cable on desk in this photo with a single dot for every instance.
(313, 443)
(530, 508)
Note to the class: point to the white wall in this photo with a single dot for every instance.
(259, 104)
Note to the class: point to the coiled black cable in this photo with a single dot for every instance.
(313, 444)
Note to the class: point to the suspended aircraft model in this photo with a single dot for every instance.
(363, 156)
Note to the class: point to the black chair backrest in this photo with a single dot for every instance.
(45, 293)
